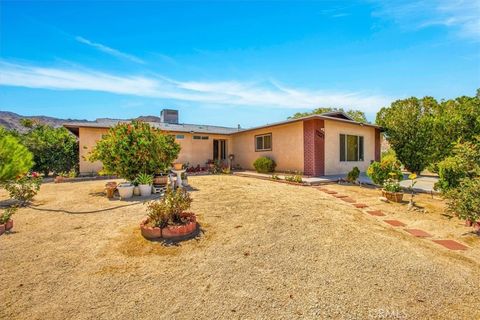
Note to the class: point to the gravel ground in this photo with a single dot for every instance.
(267, 251)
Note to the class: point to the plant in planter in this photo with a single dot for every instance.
(6, 222)
(167, 217)
(24, 188)
(136, 189)
(392, 189)
(125, 190)
(145, 184)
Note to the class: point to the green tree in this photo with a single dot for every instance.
(129, 149)
(356, 115)
(408, 128)
(15, 159)
(54, 149)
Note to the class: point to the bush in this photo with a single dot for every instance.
(129, 149)
(294, 178)
(24, 188)
(15, 159)
(464, 201)
(168, 210)
(264, 165)
(379, 172)
(353, 175)
(54, 149)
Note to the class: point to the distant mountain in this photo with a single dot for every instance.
(11, 120)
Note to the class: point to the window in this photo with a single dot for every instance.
(263, 142)
(200, 137)
(351, 148)
(180, 136)
(204, 137)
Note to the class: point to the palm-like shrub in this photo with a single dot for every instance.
(129, 149)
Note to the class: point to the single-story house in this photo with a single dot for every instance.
(316, 145)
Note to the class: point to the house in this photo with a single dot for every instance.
(317, 145)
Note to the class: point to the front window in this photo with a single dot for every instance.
(263, 142)
(351, 148)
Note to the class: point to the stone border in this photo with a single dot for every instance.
(169, 232)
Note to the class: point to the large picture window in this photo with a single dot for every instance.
(351, 148)
(263, 142)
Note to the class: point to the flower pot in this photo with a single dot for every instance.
(150, 232)
(393, 196)
(145, 189)
(125, 190)
(9, 225)
(178, 166)
(2, 229)
(136, 191)
(159, 179)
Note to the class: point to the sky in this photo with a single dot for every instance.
(233, 62)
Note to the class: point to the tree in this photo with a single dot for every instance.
(54, 149)
(356, 115)
(408, 128)
(129, 149)
(15, 159)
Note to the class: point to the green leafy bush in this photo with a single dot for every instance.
(169, 209)
(294, 178)
(264, 165)
(54, 149)
(15, 159)
(353, 175)
(464, 200)
(379, 172)
(24, 188)
(7, 214)
(129, 149)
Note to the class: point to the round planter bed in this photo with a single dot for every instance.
(170, 232)
(393, 196)
(9, 225)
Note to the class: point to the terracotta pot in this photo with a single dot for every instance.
(2, 229)
(393, 196)
(150, 232)
(160, 179)
(178, 166)
(9, 225)
(145, 190)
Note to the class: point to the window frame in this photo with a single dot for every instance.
(360, 147)
(263, 142)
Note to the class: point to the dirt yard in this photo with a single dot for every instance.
(267, 251)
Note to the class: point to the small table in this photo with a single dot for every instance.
(178, 183)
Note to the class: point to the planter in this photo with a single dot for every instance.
(110, 188)
(145, 190)
(178, 166)
(9, 225)
(170, 232)
(2, 229)
(125, 190)
(136, 191)
(160, 179)
(468, 223)
(393, 196)
(476, 227)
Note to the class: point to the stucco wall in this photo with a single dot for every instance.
(287, 147)
(333, 129)
(195, 152)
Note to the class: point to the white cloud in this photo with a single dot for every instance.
(463, 16)
(110, 51)
(266, 94)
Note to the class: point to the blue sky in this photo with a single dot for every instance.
(232, 62)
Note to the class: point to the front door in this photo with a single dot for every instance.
(219, 150)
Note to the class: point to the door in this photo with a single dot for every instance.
(219, 150)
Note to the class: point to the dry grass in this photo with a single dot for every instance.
(267, 250)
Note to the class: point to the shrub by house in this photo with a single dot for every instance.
(264, 165)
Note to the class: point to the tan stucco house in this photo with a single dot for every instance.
(317, 145)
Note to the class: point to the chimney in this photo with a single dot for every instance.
(169, 116)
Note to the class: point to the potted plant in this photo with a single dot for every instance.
(168, 218)
(125, 190)
(145, 184)
(6, 222)
(392, 190)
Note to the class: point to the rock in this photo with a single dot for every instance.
(383, 199)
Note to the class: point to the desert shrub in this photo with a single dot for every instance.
(24, 188)
(353, 175)
(54, 149)
(168, 210)
(7, 214)
(129, 149)
(15, 159)
(463, 164)
(379, 172)
(264, 165)
(296, 177)
(464, 201)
